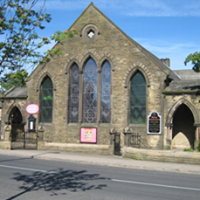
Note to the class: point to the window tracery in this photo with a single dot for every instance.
(88, 97)
(90, 79)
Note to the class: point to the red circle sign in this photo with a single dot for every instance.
(32, 108)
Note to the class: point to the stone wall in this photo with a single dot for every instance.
(162, 156)
(125, 57)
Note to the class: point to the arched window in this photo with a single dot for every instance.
(138, 99)
(74, 94)
(46, 100)
(90, 81)
(105, 92)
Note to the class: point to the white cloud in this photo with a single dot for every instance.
(158, 8)
(64, 4)
(155, 8)
(167, 47)
(176, 52)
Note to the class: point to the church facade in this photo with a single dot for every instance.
(105, 93)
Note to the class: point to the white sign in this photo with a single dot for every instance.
(32, 108)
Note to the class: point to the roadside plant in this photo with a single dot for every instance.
(20, 42)
(194, 58)
(20, 23)
(189, 150)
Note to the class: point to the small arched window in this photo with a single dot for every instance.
(138, 99)
(90, 81)
(74, 94)
(105, 92)
(46, 100)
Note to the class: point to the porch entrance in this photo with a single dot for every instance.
(19, 138)
(183, 134)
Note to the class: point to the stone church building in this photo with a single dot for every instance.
(103, 94)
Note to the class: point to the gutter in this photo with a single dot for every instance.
(182, 92)
(19, 97)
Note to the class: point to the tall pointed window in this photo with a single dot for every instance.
(46, 100)
(90, 92)
(138, 99)
(105, 92)
(74, 94)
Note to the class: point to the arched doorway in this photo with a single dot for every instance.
(17, 128)
(19, 138)
(183, 132)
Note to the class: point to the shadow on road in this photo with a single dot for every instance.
(53, 182)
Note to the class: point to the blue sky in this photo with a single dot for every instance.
(167, 28)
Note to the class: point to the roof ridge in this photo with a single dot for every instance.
(10, 90)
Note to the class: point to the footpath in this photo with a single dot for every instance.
(106, 160)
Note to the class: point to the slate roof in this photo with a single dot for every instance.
(188, 74)
(189, 83)
(16, 92)
(183, 87)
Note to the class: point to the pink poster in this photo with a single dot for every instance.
(88, 135)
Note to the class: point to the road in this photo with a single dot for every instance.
(29, 178)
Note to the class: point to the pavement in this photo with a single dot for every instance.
(105, 160)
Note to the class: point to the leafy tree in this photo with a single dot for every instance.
(13, 79)
(195, 59)
(20, 22)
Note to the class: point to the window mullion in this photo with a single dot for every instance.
(99, 97)
(81, 97)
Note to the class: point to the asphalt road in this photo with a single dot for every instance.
(27, 179)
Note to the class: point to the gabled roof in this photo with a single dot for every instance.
(152, 57)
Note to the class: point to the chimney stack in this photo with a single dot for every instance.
(166, 61)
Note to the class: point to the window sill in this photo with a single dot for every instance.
(137, 125)
(73, 124)
(45, 124)
(90, 125)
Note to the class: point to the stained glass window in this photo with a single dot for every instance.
(74, 94)
(90, 92)
(105, 92)
(46, 101)
(138, 99)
